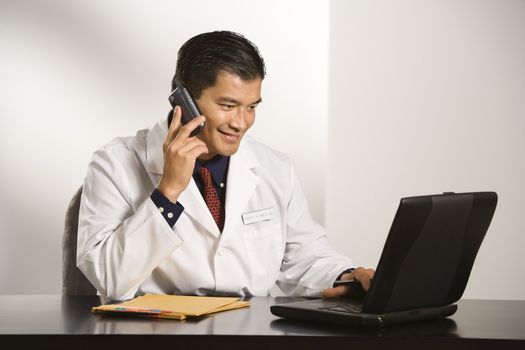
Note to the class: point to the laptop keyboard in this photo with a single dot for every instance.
(346, 308)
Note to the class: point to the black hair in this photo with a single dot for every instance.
(202, 57)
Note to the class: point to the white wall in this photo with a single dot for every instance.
(75, 74)
(426, 97)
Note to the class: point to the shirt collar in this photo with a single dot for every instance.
(218, 167)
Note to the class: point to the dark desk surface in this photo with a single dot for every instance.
(54, 321)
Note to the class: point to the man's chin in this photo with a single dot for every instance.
(228, 151)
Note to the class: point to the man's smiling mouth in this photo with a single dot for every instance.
(230, 137)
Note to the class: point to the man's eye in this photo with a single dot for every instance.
(252, 107)
(227, 106)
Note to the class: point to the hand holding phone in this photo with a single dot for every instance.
(180, 152)
(181, 97)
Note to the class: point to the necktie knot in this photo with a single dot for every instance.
(211, 198)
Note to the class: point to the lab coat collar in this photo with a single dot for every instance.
(241, 182)
(154, 141)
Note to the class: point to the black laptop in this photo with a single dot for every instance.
(424, 267)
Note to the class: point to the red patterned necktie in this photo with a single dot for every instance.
(211, 198)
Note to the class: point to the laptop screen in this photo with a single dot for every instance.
(429, 251)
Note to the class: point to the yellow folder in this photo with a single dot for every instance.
(172, 306)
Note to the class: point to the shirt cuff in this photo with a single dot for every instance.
(342, 273)
(169, 210)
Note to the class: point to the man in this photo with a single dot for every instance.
(213, 214)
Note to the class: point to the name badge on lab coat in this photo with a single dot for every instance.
(258, 216)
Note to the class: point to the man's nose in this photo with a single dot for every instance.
(238, 121)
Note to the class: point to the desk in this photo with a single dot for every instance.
(60, 322)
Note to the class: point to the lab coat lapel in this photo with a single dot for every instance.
(154, 153)
(240, 185)
(194, 205)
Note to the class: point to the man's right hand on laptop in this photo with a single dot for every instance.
(361, 274)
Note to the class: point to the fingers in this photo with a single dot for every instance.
(334, 292)
(364, 276)
(186, 130)
(191, 150)
(368, 280)
(194, 148)
(178, 133)
(175, 124)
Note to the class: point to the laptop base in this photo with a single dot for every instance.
(319, 310)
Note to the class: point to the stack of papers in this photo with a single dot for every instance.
(172, 306)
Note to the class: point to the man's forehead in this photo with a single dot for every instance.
(234, 100)
(231, 87)
(225, 77)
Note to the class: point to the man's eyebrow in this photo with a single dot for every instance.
(234, 101)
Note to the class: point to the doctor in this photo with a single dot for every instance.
(213, 214)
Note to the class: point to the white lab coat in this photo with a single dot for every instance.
(126, 248)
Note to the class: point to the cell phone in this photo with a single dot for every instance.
(181, 97)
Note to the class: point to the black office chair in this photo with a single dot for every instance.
(73, 280)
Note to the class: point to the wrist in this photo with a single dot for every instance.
(171, 194)
(347, 271)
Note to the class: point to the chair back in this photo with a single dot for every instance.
(73, 280)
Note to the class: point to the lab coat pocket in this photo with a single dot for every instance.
(265, 252)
